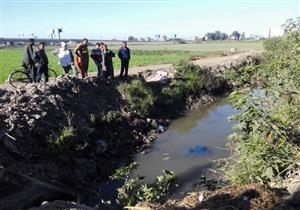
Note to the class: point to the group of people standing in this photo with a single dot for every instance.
(37, 61)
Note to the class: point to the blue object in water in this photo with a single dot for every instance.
(197, 150)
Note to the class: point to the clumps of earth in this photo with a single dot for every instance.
(61, 140)
(232, 197)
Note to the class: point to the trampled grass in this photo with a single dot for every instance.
(142, 55)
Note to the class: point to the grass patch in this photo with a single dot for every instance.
(63, 141)
(138, 95)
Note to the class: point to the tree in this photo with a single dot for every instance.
(165, 38)
(243, 36)
(224, 36)
(142, 39)
(149, 39)
(217, 35)
(291, 24)
(236, 35)
(132, 38)
(210, 36)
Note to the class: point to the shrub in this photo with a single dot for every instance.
(243, 76)
(138, 95)
(267, 140)
(263, 144)
(133, 191)
(63, 141)
(272, 44)
(112, 117)
(199, 80)
(174, 93)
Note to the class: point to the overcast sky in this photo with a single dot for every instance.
(120, 18)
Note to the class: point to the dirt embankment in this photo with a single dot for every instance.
(232, 197)
(61, 136)
(59, 141)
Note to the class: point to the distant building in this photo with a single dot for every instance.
(255, 37)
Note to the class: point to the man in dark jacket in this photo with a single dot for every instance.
(28, 61)
(97, 57)
(108, 62)
(41, 59)
(124, 55)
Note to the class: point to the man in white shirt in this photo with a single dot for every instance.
(66, 59)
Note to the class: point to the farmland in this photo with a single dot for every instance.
(142, 54)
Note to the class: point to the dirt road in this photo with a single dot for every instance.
(206, 62)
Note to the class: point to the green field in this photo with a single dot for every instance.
(142, 54)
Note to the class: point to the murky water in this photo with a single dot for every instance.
(207, 128)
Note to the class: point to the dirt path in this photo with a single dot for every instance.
(207, 62)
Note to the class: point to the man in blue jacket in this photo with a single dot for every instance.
(124, 55)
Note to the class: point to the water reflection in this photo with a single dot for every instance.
(208, 127)
(190, 120)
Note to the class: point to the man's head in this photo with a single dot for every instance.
(124, 44)
(41, 46)
(63, 45)
(85, 41)
(101, 45)
(31, 41)
(105, 46)
(98, 45)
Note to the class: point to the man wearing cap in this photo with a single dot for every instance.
(66, 59)
(82, 57)
(28, 60)
(124, 55)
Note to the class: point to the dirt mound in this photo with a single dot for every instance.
(66, 135)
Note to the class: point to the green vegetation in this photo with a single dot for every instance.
(132, 191)
(63, 141)
(110, 126)
(112, 117)
(244, 76)
(142, 54)
(198, 80)
(266, 143)
(160, 99)
(138, 95)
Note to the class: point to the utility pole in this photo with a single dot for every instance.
(59, 30)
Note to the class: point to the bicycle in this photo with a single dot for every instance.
(22, 77)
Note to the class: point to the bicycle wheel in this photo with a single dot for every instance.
(19, 79)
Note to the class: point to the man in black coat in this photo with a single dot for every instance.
(124, 55)
(108, 62)
(28, 61)
(41, 59)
